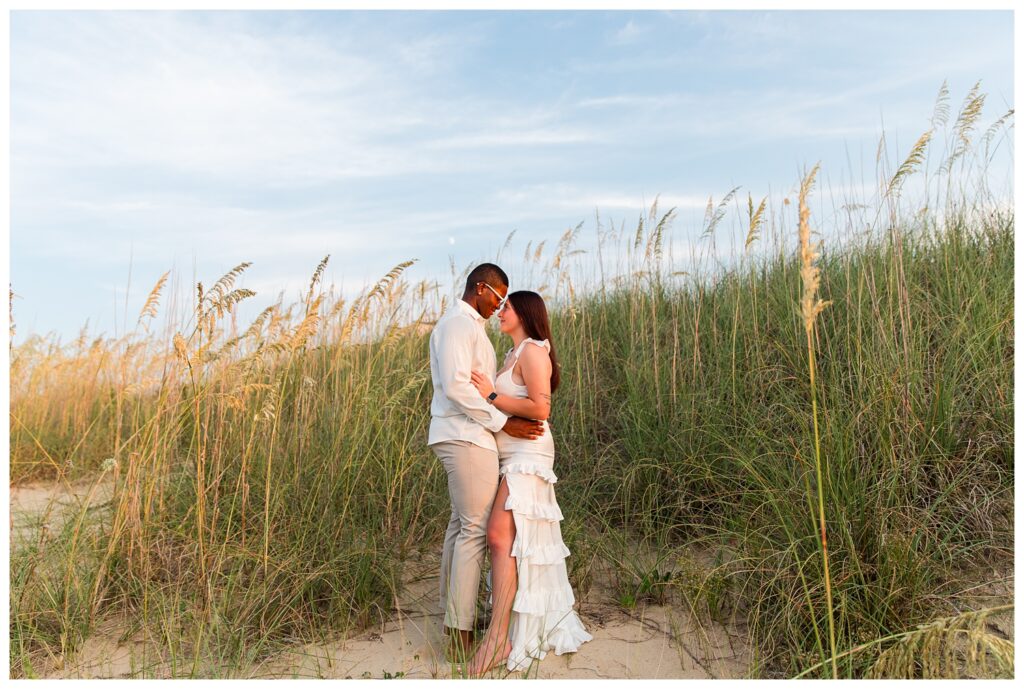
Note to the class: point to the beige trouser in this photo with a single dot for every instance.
(472, 484)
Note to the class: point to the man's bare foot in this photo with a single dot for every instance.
(460, 644)
(488, 656)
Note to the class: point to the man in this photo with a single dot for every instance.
(462, 428)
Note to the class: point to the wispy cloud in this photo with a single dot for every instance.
(629, 33)
(529, 137)
(563, 198)
(216, 101)
(634, 100)
(212, 138)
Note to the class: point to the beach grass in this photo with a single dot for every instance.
(269, 482)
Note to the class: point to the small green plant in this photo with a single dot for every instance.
(653, 585)
(705, 587)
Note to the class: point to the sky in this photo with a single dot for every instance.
(142, 142)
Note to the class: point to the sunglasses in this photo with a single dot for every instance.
(501, 299)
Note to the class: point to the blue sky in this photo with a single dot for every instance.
(194, 141)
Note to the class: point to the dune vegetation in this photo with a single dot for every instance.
(810, 429)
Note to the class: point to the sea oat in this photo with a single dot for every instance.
(810, 305)
(913, 160)
(153, 300)
(951, 647)
(756, 219)
(713, 217)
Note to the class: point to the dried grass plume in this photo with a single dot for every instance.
(810, 305)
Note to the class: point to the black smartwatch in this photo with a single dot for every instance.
(491, 397)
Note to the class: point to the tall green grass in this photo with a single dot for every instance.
(271, 483)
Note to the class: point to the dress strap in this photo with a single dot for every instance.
(540, 343)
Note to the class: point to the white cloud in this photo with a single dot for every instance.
(628, 34)
(214, 101)
(278, 137)
(565, 198)
(526, 137)
(636, 100)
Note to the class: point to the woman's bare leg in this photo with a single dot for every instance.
(495, 646)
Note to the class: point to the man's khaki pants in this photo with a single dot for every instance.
(472, 484)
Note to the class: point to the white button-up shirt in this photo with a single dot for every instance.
(458, 346)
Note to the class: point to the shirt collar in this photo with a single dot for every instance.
(466, 308)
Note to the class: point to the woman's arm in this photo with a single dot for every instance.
(535, 365)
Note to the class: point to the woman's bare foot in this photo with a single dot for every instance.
(488, 656)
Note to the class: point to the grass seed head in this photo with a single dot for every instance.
(810, 305)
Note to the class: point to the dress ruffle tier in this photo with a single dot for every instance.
(545, 620)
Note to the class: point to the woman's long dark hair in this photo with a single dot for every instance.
(529, 306)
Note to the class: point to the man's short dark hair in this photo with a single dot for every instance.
(486, 272)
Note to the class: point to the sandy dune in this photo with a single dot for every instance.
(648, 642)
(654, 642)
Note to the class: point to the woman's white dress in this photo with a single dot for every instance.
(542, 616)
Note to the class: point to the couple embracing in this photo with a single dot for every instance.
(492, 436)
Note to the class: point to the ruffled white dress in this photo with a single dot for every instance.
(542, 616)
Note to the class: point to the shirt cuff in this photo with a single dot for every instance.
(498, 419)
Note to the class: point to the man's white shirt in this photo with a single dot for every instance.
(459, 346)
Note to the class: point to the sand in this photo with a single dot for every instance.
(44, 504)
(648, 642)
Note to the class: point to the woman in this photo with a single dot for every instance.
(532, 599)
